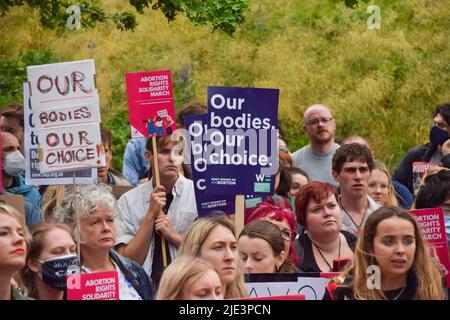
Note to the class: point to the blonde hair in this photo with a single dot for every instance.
(182, 271)
(430, 283)
(51, 199)
(391, 197)
(193, 242)
(12, 212)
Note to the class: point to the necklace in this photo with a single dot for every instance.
(358, 226)
(323, 257)
(399, 294)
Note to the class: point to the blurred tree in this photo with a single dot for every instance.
(223, 15)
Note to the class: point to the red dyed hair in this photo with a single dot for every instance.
(270, 211)
(316, 191)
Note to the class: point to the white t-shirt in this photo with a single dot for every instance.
(347, 223)
(133, 207)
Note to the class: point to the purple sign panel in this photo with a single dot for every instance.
(242, 153)
(197, 143)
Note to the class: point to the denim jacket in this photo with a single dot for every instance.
(135, 274)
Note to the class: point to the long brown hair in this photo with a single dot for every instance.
(430, 282)
(270, 233)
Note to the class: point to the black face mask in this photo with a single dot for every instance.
(54, 271)
(438, 136)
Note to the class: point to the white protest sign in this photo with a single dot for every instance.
(62, 85)
(71, 148)
(64, 101)
(313, 287)
(33, 174)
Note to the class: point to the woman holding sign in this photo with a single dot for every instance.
(324, 247)
(96, 208)
(212, 238)
(51, 256)
(14, 236)
(392, 262)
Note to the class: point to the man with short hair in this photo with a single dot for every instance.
(12, 121)
(315, 158)
(142, 211)
(13, 180)
(352, 167)
(436, 151)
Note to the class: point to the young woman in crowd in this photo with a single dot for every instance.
(212, 238)
(380, 185)
(51, 256)
(283, 218)
(14, 236)
(392, 262)
(190, 278)
(292, 179)
(318, 211)
(262, 249)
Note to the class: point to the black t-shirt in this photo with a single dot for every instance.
(307, 260)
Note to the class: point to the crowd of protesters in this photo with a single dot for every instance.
(335, 209)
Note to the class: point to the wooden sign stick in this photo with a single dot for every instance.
(75, 209)
(239, 214)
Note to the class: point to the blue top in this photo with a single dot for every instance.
(134, 163)
(29, 192)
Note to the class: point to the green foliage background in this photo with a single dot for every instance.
(381, 84)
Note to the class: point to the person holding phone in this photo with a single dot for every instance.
(319, 213)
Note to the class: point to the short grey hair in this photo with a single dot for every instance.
(88, 197)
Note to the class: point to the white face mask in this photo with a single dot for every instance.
(14, 163)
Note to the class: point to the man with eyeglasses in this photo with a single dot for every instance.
(352, 167)
(315, 158)
(436, 151)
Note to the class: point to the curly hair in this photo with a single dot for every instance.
(352, 152)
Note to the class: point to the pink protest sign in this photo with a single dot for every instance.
(433, 228)
(93, 286)
(150, 103)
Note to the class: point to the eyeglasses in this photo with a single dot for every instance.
(288, 235)
(283, 148)
(446, 208)
(316, 122)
